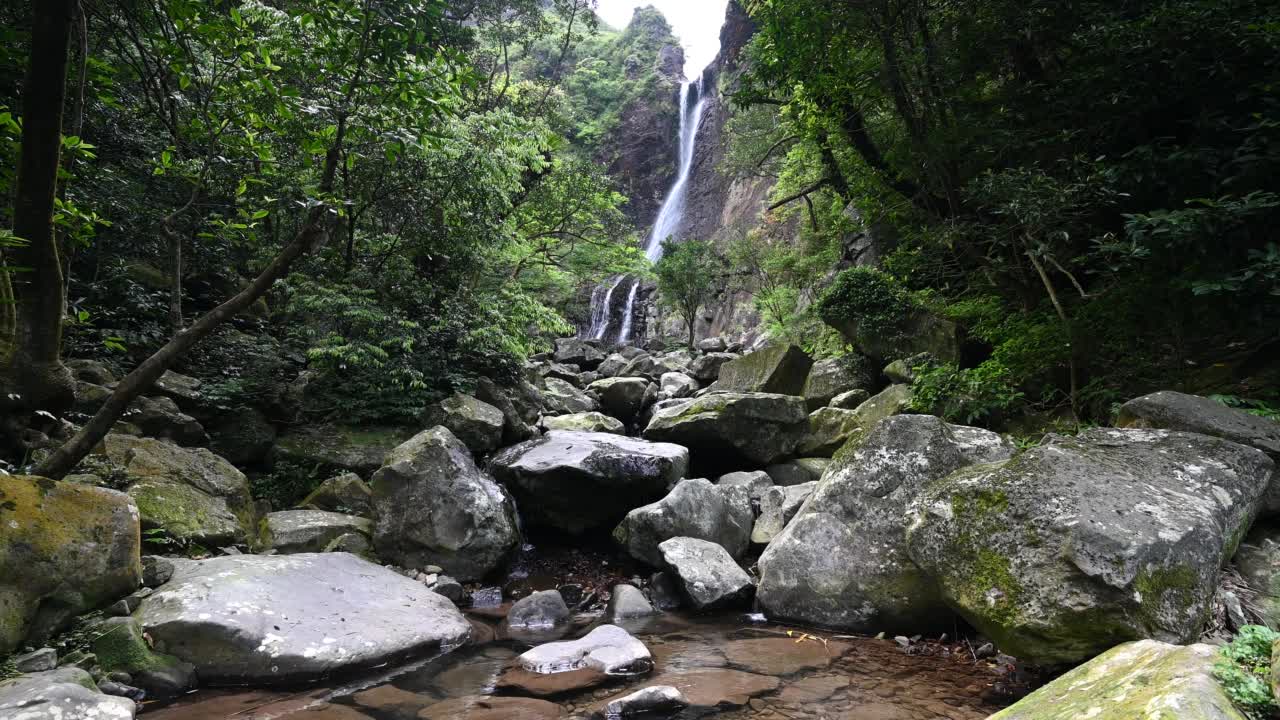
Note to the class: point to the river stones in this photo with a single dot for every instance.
(476, 423)
(307, 531)
(283, 619)
(1088, 541)
(1168, 410)
(743, 429)
(776, 368)
(577, 481)
(842, 560)
(64, 549)
(1145, 679)
(694, 508)
(708, 575)
(435, 507)
(655, 701)
(64, 694)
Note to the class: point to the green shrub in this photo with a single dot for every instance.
(966, 396)
(873, 299)
(1243, 671)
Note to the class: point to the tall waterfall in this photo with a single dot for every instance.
(668, 223)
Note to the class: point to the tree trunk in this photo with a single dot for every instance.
(175, 280)
(32, 367)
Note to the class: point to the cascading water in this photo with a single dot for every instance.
(670, 218)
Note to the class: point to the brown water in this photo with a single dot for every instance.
(732, 668)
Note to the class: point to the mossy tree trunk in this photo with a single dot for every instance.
(33, 376)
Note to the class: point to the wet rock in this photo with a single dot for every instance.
(38, 661)
(64, 549)
(345, 493)
(781, 656)
(843, 562)
(757, 482)
(749, 428)
(573, 351)
(572, 593)
(192, 494)
(1144, 679)
(850, 400)
(477, 424)
(120, 647)
(695, 509)
(1081, 542)
(676, 385)
(487, 707)
(1169, 410)
(359, 450)
(831, 378)
(719, 688)
(777, 507)
(62, 694)
(585, 422)
(604, 655)
(543, 609)
(307, 531)
(664, 592)
(284, 619)
(706, 369)
(627, 602)
(576, 481)
(450, 588)
(706, 573)
(435, 507)
(776, 368)
(563, 398)
(156, 570)
(622, 397)
(649, 702)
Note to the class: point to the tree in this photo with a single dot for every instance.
(33, 377)
(690, 275)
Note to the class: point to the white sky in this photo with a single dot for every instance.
(696, 22)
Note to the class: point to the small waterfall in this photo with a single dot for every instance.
(692, 104)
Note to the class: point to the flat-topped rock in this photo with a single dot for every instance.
(709, 576)
(576, 481)
(282, 619)
(605, 654)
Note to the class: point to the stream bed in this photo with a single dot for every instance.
(727, 665)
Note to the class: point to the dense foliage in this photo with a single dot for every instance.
(1087, 187)
(1244, 670)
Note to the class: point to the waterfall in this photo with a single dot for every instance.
(692, 104)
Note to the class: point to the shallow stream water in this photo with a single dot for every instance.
(727, 665)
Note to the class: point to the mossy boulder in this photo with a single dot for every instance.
(830, 428)
(120, 646)
(562, 398)
(835, 376)
(776, 368)
(737, 430)
(190, 493)
(65, 548)
(882, 320)
(302, 531)
(1145, 679)
(842, 561)
(585, 422)
(476, 423)
(1089, 541)
(359, 450)
(345, 493)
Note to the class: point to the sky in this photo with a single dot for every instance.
(696, 22)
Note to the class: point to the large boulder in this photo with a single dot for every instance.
(191, 494)
(1088, 541)
(1145, 679)
(778, 505)
(159, 417)
(650, 368)
(572, 351)
(842, 561)
(707, 574)
(622, 397)
(345, 493)
(612, 366)
(830, 427)
(64, 549)
(776, 368)
(288, 619)
(67, 693)
(516, 424)
(307, 531)
(831, 378)
(476, 423)
(706, 369)
(585, 422)
(757, 482)
(676, 385)
(576, 481)
(433, 506)
(735, 428)
(340, 448)
(694, 508)
(563, 398)
(119, 645)
(1170, 410)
